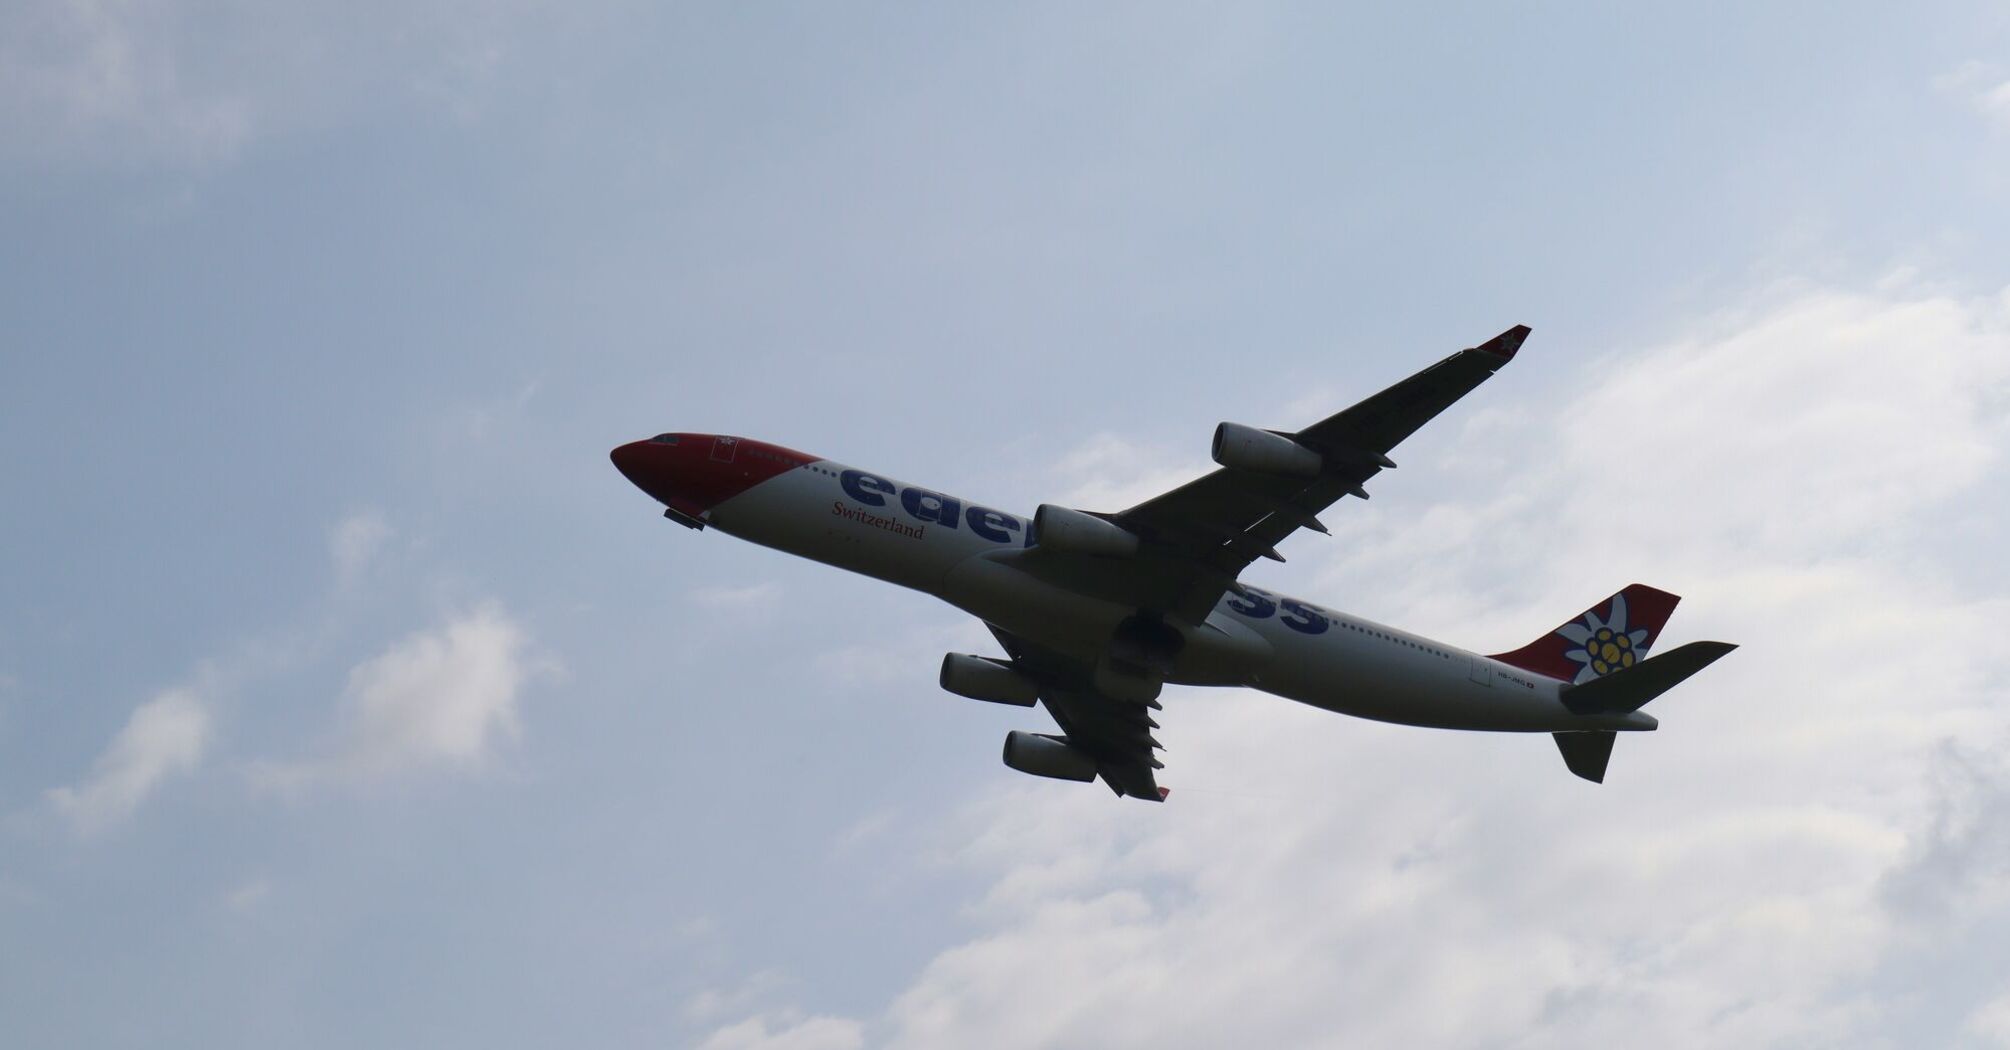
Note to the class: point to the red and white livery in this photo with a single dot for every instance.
(1096, 611)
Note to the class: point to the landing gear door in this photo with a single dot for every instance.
(1483, 671)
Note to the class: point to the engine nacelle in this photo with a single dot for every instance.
(981, 678)
(1262, 452)
(1047, 756)
(1061, 529)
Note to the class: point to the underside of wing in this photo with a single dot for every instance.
(1116, 733)
(1172, 557)
(1193, 541)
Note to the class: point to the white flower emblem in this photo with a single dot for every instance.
(1604, 646)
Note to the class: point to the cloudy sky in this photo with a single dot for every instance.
(348, 697)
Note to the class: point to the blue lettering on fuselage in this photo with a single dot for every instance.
(1304, 618)
(1254, 604)
(993, 525)
(932, 507)
(997, 526)
(866, 488)
(1262, 605)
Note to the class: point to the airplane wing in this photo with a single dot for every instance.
(1196, 539)
(1116, 732)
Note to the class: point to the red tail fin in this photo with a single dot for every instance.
(1612, 635)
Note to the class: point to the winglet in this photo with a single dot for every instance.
(1505, 344)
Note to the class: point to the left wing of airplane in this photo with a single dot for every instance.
(1116, 732)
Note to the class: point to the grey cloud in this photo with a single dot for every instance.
(1959, 860)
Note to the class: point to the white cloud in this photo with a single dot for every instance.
(909, 656)
(814, 1033)
(486, 419)
(1110, 473)
(162, 737)
(1983, 87)
(710, 1003)
(1964, 77)
(442, 697)
(354, 542)
(1828, 418)
(1991, 1023)
(755, 597)
(83, 74)
(190, 85)
(1802, 472)
(1995, 103)
(248, 897)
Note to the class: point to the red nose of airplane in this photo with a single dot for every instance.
(632, 461)
(684, 472)
(693, 473)
(673, 470)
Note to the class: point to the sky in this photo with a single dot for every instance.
(348, 696)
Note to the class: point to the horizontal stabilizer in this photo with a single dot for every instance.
(1586, 753)
(1626, 690)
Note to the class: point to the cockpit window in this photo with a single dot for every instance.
(664, 439)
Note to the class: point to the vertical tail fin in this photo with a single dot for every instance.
(1608, 637)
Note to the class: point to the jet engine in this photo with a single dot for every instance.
(982, 678)
(1262, 452)
(1048, 756)
(1061, 529)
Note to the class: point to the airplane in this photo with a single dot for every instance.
(1097, 611)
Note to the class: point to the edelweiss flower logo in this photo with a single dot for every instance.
(1604, 646)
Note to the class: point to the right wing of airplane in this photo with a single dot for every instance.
(1192, 542)
(1196, 539)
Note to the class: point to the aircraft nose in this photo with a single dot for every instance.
(653, 465)
(648, 466)
(629, 460)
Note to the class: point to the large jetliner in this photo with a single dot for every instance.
(1096, 611)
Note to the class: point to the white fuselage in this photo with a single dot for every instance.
(961, 553)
